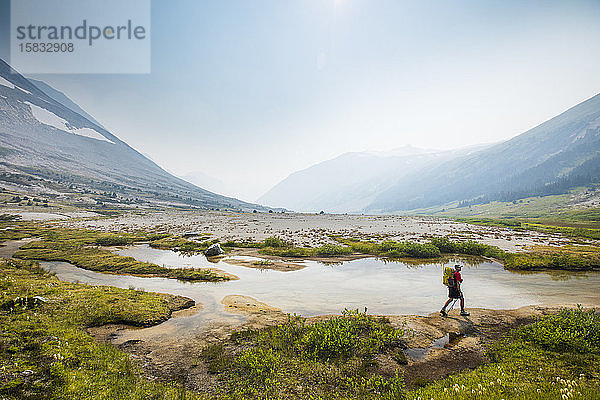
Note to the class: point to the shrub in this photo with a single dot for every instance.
(571, 330)
(114, 240)
(274, 241)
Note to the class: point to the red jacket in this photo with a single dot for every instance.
(457, 278)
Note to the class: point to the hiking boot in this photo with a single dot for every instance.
(464, 313)
(444, 313)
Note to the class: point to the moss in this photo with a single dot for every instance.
(99, 260)
(80, 247)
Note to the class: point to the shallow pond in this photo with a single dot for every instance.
(383, 287)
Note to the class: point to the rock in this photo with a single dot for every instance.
(214, 250)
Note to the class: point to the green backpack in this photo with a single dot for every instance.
(448, 278)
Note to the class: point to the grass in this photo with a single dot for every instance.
(327, 359)
(45, 352)
(263, 263)
(83, 248)
(557, 357)
(554, 207)
(435, 248)
(564, 258)
(569, 257)
(275, 246)
(17, 230)
(571, 232)
(549, 225)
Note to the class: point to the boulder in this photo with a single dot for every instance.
(214, 250)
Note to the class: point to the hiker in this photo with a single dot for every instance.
(454, 292)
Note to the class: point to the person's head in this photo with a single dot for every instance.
(458, 267)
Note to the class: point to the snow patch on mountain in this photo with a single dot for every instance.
(49, 118)
(6, 83)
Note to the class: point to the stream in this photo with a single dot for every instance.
(383, 287)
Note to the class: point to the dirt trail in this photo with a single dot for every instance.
(442, 346)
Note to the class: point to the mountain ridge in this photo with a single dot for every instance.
(47, 143)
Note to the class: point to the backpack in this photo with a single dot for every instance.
(448, 278)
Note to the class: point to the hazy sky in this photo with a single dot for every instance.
(251, 91)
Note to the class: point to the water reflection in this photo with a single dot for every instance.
(384, 286)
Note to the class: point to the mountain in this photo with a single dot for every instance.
(552, 158)
(49, 144)
(352, 181)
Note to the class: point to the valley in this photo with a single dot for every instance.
(278, 207)
(201, 350)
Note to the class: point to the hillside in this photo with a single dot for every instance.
(550, 159)
(50, 145)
